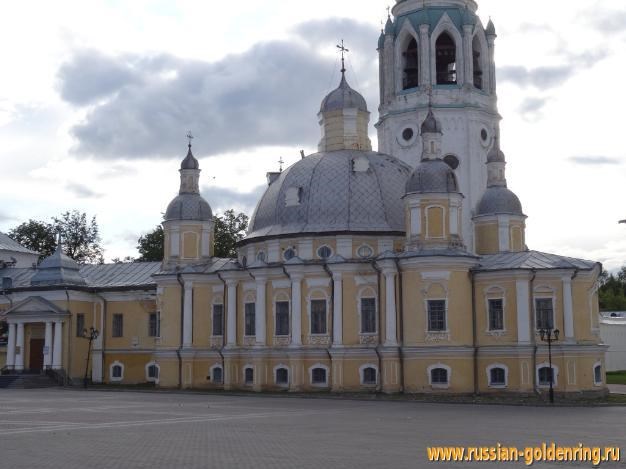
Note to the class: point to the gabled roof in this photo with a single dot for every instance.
(7, 244)
(532, 260)
(35, 306)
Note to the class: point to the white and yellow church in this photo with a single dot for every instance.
(399, 271)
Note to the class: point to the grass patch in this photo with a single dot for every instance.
(616, 377)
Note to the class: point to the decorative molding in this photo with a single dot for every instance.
(318, 282)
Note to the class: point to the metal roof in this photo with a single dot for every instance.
(7, 244)
(344, 97)
(432, 176)
(499, 200)
(532, 260)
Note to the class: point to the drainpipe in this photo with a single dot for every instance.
(224, 330)
(103, 315)
(400, 305)
(332, 314)
(532, 328)
(182, 311)
(474, 332)
(379, 384)
(69, 336)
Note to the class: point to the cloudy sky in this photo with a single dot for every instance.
(96, 97)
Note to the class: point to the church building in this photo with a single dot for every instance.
(403, 270)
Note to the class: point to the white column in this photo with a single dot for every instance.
(57, 362)
(231, 324)
(188, 315)
(568, 308)
(11, 347)
(469, 55)
(19, 343)
(47, 347)
(390, 309)
(492, 64)
(260, 311)
(523, 311)
(296, 310)
(338, 310)
(425, 71)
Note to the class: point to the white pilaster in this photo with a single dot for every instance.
(469, 55)
(19, 343)
(11, 347)
(424, 55)
(503, 233)
(390, 309)
(338, 310)
(57, 362)
(175, 242)
(523, 311)
(188, 315)
(296, 310)
(231, 325)
(260, 319)
(568, 308)
(47, 346)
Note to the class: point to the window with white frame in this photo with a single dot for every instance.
(437, 315)
(598, 379)
(324, 252)
(217, 375)
(118, 325)
(545, 374)
(116, 371)
(496, 314)
(544, 310)
(439, 376)
(154, 324)
(369, 375)
(318, 317)
(250, 319)
(152, 372)
(282, 318)
(282, 376)
(319, 376)
(497, 376)
(218, 320)
(248, 375)
(368, 315)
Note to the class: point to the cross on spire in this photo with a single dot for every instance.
(281, 162)
(190, 138)
(343, 50)
(388, 11)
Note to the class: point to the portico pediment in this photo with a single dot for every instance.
(36, 308)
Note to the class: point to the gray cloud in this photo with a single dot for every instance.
(531, 108)
(141, 106)
(221, 199)
(607, 21)
(4, 217)
(82, 191)
(594, 160)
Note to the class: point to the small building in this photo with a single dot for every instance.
(613, 334)
(14, 254)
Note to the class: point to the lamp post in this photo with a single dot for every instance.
(91, 335)
(550, 335)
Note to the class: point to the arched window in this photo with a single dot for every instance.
(116, 371)
(410, 78)
(152, 372)
(439, 376)
(369, 375)
(217, 375)
(445, 53)
(248, 376)
(497, 376)
(597, 374)
(544, 374)
(478, 63)
(319, 375)
(282, 376)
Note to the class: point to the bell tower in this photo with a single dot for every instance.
(438, 53)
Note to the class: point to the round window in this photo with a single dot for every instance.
(365, 252)
(407, 134)
(289, 254)
(324, 252)
(260, 256)
(452, 161)
(484, 135)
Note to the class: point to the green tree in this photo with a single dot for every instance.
(150, 246)
(229, 230)
(612, 291)
(81, 237)
(37, 236)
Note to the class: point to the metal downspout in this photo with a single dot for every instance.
(182, 312)
(69, 337)
(379, 381)
(400, 305)
(532, 328)
(103, 315)
(224, 330)
(474, 333)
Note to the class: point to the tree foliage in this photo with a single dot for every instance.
(80, 236)
(229, 230)
(150, 246)
(613, 291)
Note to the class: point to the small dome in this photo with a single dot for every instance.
(490, 30)
(431, 125)
(58, 269)
(496, 155)
(499, 200)
(432, 176)
(389, 29)
(190, 161)
(343, 97)
(189, 207)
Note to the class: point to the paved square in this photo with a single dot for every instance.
(96, 429)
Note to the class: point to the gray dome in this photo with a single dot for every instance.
(432, 176)
(190, 161)
(496, 155)
(491, 28)
(343, 97)
(339, 191)
(431, 125)
(58, 269)
(499, 200)
(189, 207)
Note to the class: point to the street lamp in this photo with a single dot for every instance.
(550, 335)
(91, 335)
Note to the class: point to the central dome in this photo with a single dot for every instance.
(334, 192)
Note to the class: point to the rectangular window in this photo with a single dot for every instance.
(154, 325)
(496, 315)
(437, 315)
(545, 313)
(80, 324)
(118, 325)
(318, 316)
(250, 319)
(368, 315)
(282, 318)
(218, 320)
